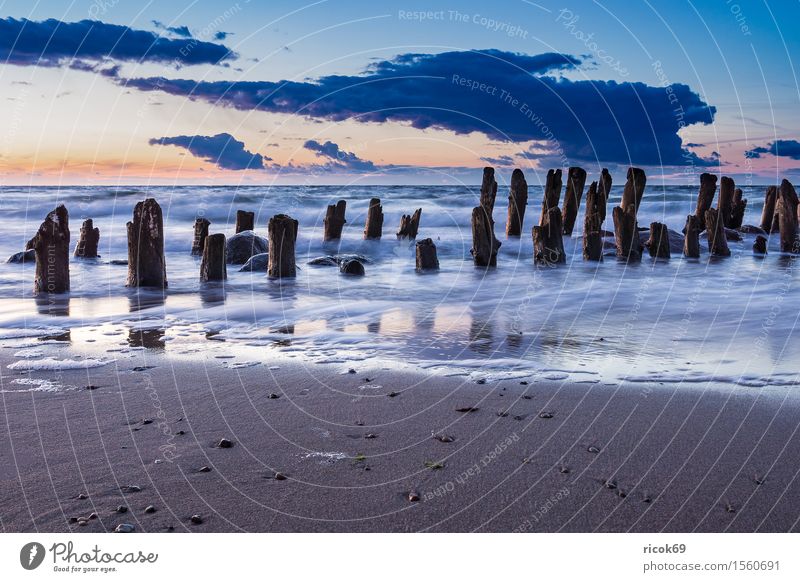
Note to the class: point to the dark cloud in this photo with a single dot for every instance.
(182, 31)
(789, 148)
(222, 149)
(221, 35)
(506, 96)
(339, 158)
(502, 161)
(53, 43)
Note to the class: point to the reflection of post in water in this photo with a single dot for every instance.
(285, 328)
(212, 293)
(52, 305)
(152, 338)
(514, 340)
(374, 326)
(481, 334)
(142, 299)
(424, 320)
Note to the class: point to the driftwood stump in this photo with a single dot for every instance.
(603, 193)
(691, 239)
(626, 234)
(787, 203)
(760, 245)
(51, 247)
(282, 236)
(374, 225)
(593, 225)
(658, 243)
(737, 211)
(334, 221)
(409, 225)
(200, 233)
(517, 200)
(548, 242)
(212, 266)
(488, 191)
(576, 180)
(88, 241)
(767, 214)
(245, 221)
(717, 242)
(705, 197)
(552, 194)
(426, 255)
(727, 187)
(484, 243)
(146, 264)
(634, 190)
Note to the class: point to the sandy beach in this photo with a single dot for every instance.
(378, 450)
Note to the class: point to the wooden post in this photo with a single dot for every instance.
(88, 241)
(603, 193)
(788, 218)
(548, 242)
(576, 180)
(334, 221)
(51, 247)
(552, 194)
(658, 244)
(593, 225)
(691, 240)
(374, 225)
(634, 190)
(517, 200)
(705, 197)
(770, 197)
(245, 221)
(426, 255)
(760, 245)
(738, 208)
(409, 225)
(727, 188)
(717, 243)
(200, 233)
(282, 236)
(626, 234)
(484, 243)
(212, 266)
(146, 264)
(488, 191)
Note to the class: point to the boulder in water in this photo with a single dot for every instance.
(28, 256)
(256, 263)
(352, 267)
(240, 247)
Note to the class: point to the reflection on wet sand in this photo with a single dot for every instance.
(53, 305)
(146, 338)
(142, 299)
(212, 293)
(481, 333)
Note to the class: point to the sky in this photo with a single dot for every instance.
(337, 92)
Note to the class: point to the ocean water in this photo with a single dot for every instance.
(690, 322)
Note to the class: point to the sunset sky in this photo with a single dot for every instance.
(121, 92)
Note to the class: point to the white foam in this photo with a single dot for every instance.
(53, 364)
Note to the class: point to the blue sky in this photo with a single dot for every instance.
(119, 118)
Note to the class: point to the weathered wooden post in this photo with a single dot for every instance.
(634, 190)
(282, 236)
(334, 221)
(717, 243)
(603, 193)
(146, 264)
(245, 221)
(548, 242)
(576, 180)
(788, 217)
(426, 255)
(488, 191)
(760, 245)
(593, 225)
(88, 240)
(374, 225)
(626, 233)
(212, 266)
(552, 194)
(51, 247)
(200, 233)
(767, 214)
(691, 240)
(409, 225)
(727, 187)
(658, 243)
(517, 200)
(484, 244)
(705, 197)
(737, 211)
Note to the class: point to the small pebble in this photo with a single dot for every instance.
(563, 469)
(524, 382)
(204, 470)
(122, 509)
(593, 449)
(93, 515)
(392, 394)
(224, 444)
(147, 421)
(73, 519)
(370, 436)
(610, 484)
(131, 488)
(273, 396)
(280, 477)
(480, 381)
(83, 496)
(82, 522)
(90, 387)
(351, 371)
(526, 397)
(502, 413)
(444, 438)
(359, 423)
(180, 433)
(730, 508)
(413, 496)
(467, 409)
(545, 415)
(124, 528)
(196, 519)
(149, 509)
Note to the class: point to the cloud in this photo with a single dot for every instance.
(338, 158)
(789, 148)
(503, 95)
(502, 161)
(52, 43)
(221, 35)
(182, 31)
(222, 149)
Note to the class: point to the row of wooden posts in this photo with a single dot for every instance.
(147, 266)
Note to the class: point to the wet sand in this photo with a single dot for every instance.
(358, 452)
